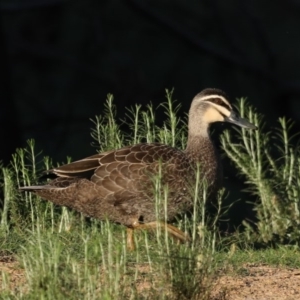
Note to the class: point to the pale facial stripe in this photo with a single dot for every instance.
(224, 107)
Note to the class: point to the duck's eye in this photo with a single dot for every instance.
(220, 102)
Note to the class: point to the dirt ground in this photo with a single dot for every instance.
(254, 282)
(259, 282)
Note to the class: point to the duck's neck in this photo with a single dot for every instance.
(200, 148)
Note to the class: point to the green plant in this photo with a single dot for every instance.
(271, 167)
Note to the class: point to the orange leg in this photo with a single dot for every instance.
(130, 239)
(176, 233)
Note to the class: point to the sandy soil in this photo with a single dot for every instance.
(11, 276)
(254, 282)
(259, 282)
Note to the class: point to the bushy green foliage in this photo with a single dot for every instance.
(271, 166)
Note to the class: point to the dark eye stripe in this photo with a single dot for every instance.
(220, 102)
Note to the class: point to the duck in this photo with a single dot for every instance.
(121, 185)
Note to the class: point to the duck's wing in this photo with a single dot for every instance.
(79, 168)
(125, 167)
(141, 154)
(132, 169)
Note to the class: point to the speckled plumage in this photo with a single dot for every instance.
(119, 185)
(122, 185)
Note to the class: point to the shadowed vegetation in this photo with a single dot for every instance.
(64, 255)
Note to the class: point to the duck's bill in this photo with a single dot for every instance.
(234, 119)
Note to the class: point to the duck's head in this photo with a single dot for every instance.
(210, 106)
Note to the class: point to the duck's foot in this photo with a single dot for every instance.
(175, 233)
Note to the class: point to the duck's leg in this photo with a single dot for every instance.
(130, 239)
(176, 233)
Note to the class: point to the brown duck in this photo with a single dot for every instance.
(119, 185)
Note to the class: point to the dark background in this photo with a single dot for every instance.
(59, 60)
